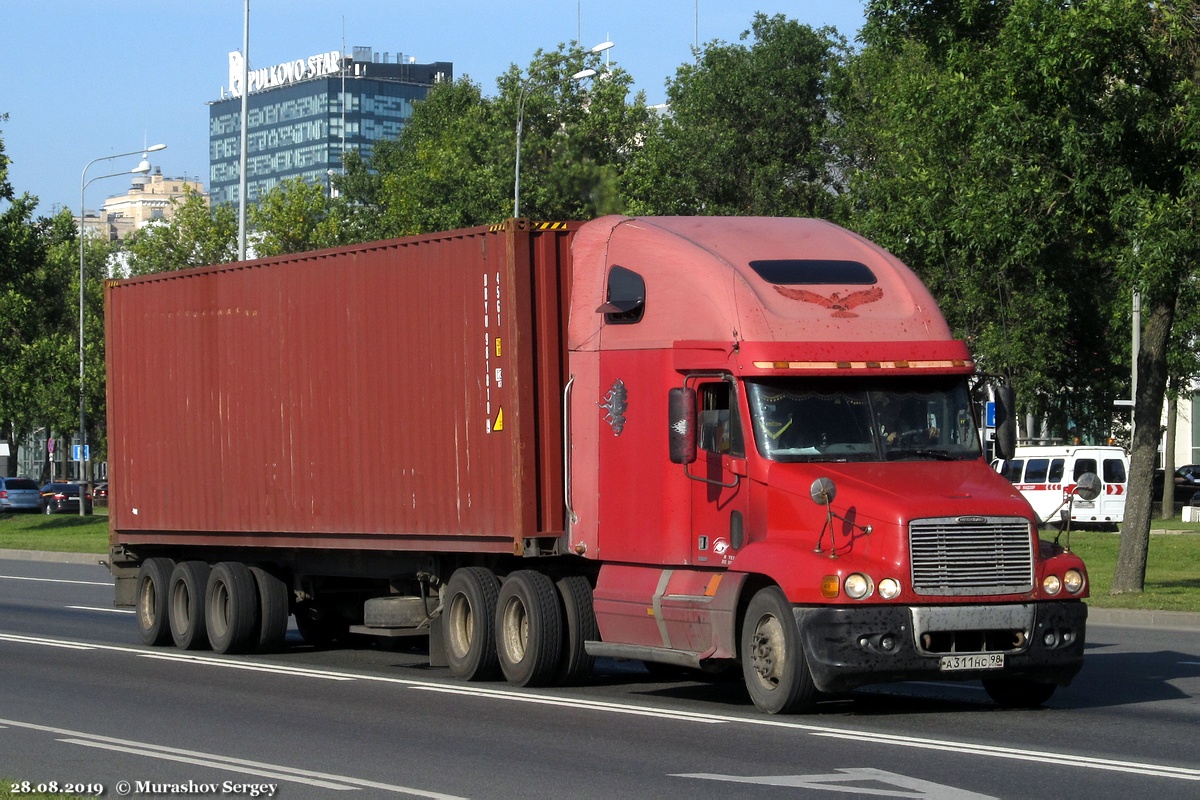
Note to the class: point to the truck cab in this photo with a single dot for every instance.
(789, 457)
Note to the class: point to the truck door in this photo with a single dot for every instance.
(720, 492)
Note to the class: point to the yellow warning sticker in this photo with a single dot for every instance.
(499, 426)
(498, 353)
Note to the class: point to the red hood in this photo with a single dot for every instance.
(892, 493)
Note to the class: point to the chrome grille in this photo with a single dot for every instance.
(971, 555)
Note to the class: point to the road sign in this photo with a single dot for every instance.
(81, 452)
(989, 414)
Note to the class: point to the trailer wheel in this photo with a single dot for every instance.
(469, 624)
(273, 610)
(1018, 692)
(528, 629)
(153, 577)
(773, 664)
(231, 608)
(579, 626)
(185, 598)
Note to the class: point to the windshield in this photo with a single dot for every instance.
(864, 419)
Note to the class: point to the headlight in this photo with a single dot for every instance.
(889, 588)
(1051, 584)
(1073, 580)
(858, 586)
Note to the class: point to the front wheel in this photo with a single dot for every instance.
(773, 663)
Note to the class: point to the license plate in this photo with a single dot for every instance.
(962, 663)
(1084, 504)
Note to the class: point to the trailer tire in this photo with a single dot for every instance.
(1018, 692)
(469, 624)
(231, 608)
(272, 610)
(579, 626)
(153, 578)
(528, 629)
(185, 604)
(773, 664)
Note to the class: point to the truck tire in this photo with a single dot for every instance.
(154, 575)
(272, 610)
(185, 604)
(528, 629)
(469, 624)
(231, 608)
(1018, 692)
(773, 663)
(579, 626)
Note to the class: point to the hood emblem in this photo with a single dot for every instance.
(839, 305)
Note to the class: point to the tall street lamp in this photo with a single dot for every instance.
(525, 88)
(140, 169)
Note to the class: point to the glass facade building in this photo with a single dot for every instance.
(300, 129)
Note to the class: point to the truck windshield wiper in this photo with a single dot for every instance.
(937, 455)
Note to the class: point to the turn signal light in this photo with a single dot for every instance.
(830, 586)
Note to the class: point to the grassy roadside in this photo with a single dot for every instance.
(1172, 569)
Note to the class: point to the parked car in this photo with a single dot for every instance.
(100, 494)
(59, 497)
(1187, 483)
(19, 494)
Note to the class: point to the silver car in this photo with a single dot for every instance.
(19, 494)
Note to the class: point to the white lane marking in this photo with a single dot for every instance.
(55, 580)
(996, 751)
(913, 788)
(616, 708)
(210, 661)
(322, 779)
(106, 610)
(946, 745)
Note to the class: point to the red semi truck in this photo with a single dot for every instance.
(699, 442)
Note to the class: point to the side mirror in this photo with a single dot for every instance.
(1088, 486)
(1006, 422)
(681, 422)
(822, 491)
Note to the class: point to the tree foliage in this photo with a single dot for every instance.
(195, 236)
(1032, 161)
(746, 130)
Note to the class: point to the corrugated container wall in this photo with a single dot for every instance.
(397, 395)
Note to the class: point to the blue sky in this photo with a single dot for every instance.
(83, 80)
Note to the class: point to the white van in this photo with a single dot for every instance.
(1044, 475)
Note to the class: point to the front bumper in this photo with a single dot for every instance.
(851, 646)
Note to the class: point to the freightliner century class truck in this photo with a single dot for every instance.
(700, 442)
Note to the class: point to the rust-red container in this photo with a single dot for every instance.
(400, 395)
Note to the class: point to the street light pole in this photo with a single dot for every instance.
(140, 169)
(525, 88)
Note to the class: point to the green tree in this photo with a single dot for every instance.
(194, 236)
(295, 217)
(38, 352)
(1033, 162)
(747, 128)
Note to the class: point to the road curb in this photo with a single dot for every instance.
(1137, 618)
(52, 557)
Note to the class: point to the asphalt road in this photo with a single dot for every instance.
(82, 702)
